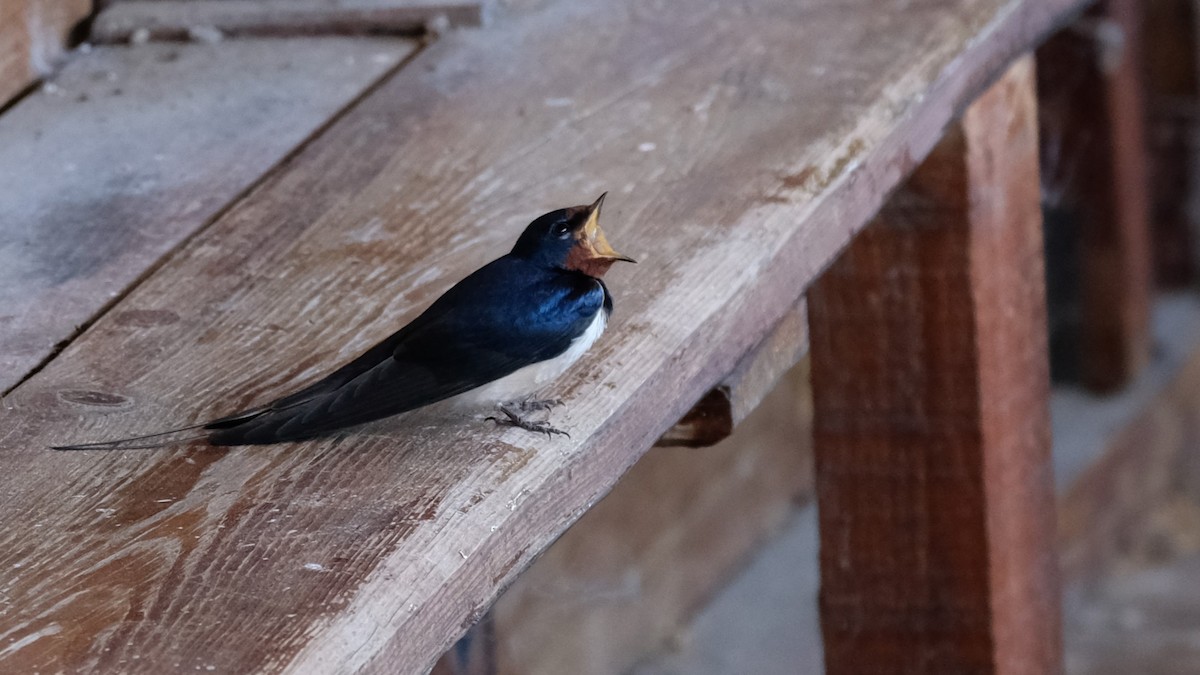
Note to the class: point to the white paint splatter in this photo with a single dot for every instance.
(647, 147)
(314, 567)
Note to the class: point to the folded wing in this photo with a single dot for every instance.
(488, 329)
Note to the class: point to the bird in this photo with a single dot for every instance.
(495, 337)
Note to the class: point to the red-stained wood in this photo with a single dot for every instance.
(1090, 87)
(180, 19)
(735, 176)
(34, 34)
(131, 151)
(931, 426)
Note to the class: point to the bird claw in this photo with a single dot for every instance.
(512, 419)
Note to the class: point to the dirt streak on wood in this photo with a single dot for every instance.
(177, 19)
(930, 385)
(34, 35)
(133, 150)
(1091, 91)
(375, 551)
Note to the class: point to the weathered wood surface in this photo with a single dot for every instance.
(130, 151)
(177, 19)
(743, 144)
(931, 427)
(33, 36)
(1090, 88)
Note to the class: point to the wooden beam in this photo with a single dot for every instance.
(931, 427)
(1090, 89)
(181, 19)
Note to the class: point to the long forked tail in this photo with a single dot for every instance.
(147, 442)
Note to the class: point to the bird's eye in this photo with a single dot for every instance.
(562, 230)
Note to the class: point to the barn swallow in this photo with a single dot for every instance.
(495, 337)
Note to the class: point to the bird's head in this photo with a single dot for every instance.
(570, 239)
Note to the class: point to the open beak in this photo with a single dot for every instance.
(592, 237)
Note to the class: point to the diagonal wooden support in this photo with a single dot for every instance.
(931, 427)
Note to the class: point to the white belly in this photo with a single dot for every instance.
(527, 380)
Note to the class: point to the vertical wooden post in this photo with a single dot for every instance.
(1172, 55)
(1090, 86)
(932, 438)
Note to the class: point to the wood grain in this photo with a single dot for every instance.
(742, 145)
(133, 150)
(1093, 124)
(177, 19)
(931, 427)
(34, 35)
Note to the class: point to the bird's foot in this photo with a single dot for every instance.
(535, 405)
(513, 419)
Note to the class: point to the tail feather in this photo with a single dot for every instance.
(273, 426)
(147, 442)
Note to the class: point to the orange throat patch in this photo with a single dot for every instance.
(580, 259)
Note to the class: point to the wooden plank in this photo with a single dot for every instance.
(625, 579)
(740, 177)
(33, 37)
(1090, 87)
(739, 393)
(129, 152)
(931, 426)
(180, 19)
